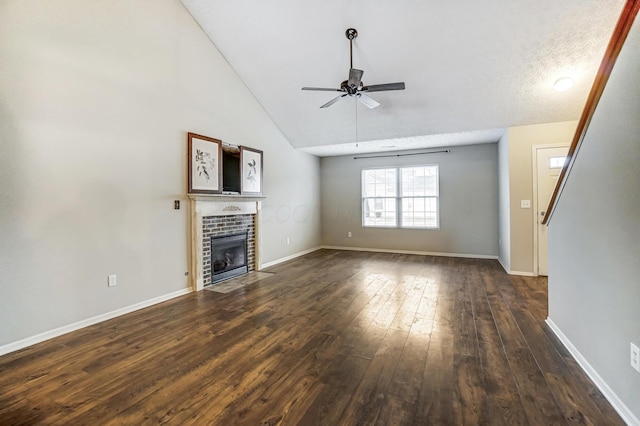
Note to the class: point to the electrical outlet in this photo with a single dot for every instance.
(635, 357)
(288, 241)
(176, 204)
(349, 235)
(112, 281)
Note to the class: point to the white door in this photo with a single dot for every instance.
(549, 162)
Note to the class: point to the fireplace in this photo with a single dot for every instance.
(228, 256)
(222, 216)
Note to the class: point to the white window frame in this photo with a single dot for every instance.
(399, 197)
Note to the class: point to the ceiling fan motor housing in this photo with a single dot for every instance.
(351, 33)
(351, 90)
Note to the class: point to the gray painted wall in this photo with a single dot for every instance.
(468, 203)
(594, 235)
(96, 99)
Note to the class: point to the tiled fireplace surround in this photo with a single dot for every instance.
(219, 216)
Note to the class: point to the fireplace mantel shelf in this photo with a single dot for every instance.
(225, 197)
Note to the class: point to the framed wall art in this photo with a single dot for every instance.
(250, 171)
(205, 164)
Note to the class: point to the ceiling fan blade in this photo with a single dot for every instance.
(333, 101)
(355, 76)
(383, 87)
(367, 101)
(322, 89)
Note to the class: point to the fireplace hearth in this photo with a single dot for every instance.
(228, 256)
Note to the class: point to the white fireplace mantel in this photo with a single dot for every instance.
(218, 205)
(225, 197)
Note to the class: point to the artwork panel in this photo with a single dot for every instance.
(251, 170)
(205, 163)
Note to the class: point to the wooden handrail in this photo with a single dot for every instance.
(618, 38)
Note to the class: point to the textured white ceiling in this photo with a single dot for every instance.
(470, 67)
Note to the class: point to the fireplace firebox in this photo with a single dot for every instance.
(228, 256)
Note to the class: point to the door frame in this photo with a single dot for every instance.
(534, 201)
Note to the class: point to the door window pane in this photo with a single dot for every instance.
(556, 162)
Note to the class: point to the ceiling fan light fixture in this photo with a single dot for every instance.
(563, 84)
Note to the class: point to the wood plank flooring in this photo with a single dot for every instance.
(331, 338)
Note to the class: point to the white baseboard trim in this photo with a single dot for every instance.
(293, 256)
(524, 274)
(38, 338)
(502, 264)
(422, 253)
(608, 393)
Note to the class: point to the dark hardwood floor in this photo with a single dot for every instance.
(331, 338)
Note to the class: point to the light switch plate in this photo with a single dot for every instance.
(525, 204)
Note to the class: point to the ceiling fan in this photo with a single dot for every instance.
(354, 86)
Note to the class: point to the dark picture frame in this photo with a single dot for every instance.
(250, 171)
(205, 164)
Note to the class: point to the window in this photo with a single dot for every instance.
(557, 162)
(405, 197)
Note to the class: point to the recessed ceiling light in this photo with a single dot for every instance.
(563, 84)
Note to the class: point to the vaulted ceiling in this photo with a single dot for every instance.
(471, 68)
